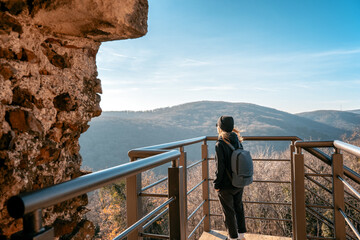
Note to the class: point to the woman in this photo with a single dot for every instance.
(230, 197)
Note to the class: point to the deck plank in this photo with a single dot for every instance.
(221, 235)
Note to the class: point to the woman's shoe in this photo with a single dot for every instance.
(229, 238)
(241, 236)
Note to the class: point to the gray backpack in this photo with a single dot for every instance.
(241, 166)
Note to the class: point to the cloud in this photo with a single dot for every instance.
(211, 88)
(114, 82)
(150, 78)
(123, 56)
(357, 81)
(304, 58)
(188, 62)
(105, 69)
(266, 89)
(121, 90)
(337, 52)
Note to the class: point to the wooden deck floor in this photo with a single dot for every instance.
(219, 235)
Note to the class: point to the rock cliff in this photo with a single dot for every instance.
(49, 91)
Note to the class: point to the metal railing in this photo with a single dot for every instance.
(135, 191)
(337, 182)
(290, 160)
(29, 205)
(135, 183)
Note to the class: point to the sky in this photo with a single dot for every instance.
(294, 56)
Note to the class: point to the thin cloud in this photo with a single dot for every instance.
(162, 81)
(299, 56)
(357, 82)
(188, 62)
(120, 90)
(337, 53)
(105, 69)
(266, 89)
(212, 88)
(332, 83)
(117, 82)
(123, 56)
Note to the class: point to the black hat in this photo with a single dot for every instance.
(226, 123)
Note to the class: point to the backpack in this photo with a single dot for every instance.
(241, 166)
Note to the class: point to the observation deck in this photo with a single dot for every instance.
(315, 192)
(221, 235)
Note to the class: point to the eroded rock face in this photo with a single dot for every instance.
(49, 91)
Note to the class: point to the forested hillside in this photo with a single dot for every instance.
(340, 119)
(355, 111)
(110, 136)
(113, 134)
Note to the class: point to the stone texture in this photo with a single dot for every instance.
(5, 141)
(49, 91)
(9, 24)
(7, 71)
(15, 6)
(96, 19)
(84, 230)
(23, 121)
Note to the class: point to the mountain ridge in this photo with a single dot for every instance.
(113, 134)
(347, 120)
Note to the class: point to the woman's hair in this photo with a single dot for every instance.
(226, 135)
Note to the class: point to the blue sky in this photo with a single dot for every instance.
(295, 56)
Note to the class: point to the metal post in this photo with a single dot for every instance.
(300, 216)
(183, 164)
(205, 186)
(133, 202)
(292, 151)
(176, 208)
(32, 228)
(32, 222)
(338, 196)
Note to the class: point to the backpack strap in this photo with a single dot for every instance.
(229, 144)
(233, 149)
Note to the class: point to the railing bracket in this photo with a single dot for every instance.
(46, 234)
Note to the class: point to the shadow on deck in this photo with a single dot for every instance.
(219, 235)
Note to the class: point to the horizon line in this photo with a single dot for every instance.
(212, 101)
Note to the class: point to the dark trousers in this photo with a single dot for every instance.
(233, 209)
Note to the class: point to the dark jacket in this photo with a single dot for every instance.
(223, 161)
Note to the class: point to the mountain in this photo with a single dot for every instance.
(357, 111)
(340, 119)
(113, 134)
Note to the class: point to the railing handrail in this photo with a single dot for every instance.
(353, 190)
(190, 141)
(355, 231)
(347, 147)
(314, 144)
(26, 203)
(171, 145)
(262, 138)
(311, 147)
(143, 220)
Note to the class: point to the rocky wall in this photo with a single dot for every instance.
(49, 91)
